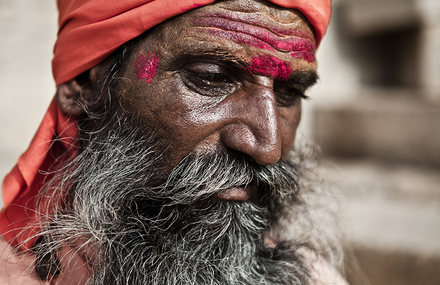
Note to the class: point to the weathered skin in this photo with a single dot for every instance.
(238, 106)
(205, 89)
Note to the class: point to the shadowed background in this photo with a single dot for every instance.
(375, 113)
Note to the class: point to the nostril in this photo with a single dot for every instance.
(259, 152)
(260, 143)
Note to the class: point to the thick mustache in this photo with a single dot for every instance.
(202, 176)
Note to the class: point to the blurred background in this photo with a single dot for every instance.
(376, 116)
(375, 113)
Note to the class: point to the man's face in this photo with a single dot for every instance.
(228, 76)
(209, 104)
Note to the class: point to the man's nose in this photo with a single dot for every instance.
(254, 128)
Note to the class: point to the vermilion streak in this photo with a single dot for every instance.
(255, 20)
(270, 66)
(259, 37)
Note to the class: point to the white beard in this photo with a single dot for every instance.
(145, 230)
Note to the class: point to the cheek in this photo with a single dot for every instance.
(290, 119)
(181, 120)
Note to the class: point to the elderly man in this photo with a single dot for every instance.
(167, 157)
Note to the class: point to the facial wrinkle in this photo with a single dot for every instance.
(261, 20)
(242, 32)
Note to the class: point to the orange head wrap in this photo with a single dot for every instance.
(89, 31)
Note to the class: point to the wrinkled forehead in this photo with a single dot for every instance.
(238, 29)
(91, 30)
(264, 14)
(260, 8)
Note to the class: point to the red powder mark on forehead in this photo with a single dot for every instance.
(241, 39)
(146, 66)
(269, 65)
(256, 20)
(306, 55)
(254, 35)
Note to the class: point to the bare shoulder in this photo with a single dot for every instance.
(16, 267)
(322, 272)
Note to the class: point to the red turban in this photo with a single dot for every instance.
(89, 31)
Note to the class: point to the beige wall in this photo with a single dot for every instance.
(27, 34)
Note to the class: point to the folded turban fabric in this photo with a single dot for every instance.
(89, 31)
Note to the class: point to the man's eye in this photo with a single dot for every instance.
(289, 96)
(209, 78)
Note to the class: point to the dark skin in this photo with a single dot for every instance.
(204, 95)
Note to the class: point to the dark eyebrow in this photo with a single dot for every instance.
(305, 78)
(194, 55)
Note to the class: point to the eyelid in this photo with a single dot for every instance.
(204, 67)
(214, 56)
(213, 81)
(228, 69)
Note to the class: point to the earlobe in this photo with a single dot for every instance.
(68, 98)
(75, 96)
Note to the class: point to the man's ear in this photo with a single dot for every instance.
(75, 96)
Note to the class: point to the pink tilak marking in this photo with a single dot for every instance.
(269, 65)
(241, 38)
(146, 66)
(307, 56)
(297, 42)
(243, 32)
(255, 20)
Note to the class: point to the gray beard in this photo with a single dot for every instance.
(135, 225)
